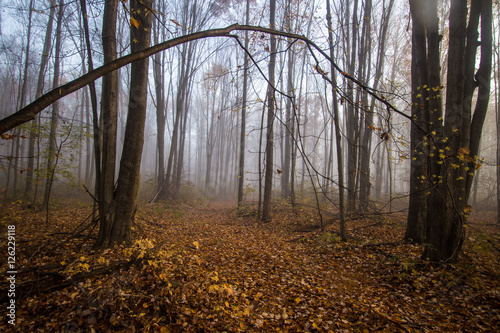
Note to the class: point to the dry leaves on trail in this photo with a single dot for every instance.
(208, 269)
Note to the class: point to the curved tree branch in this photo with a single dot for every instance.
(30, 111)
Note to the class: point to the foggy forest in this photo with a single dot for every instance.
(250, 166)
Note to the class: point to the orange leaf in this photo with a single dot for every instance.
(464, 151)
(175, 22)
(134, 22)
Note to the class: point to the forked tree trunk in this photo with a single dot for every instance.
(129, 176)
(447, 214)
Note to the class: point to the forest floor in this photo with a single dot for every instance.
(206, 268)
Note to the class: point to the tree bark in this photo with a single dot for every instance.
(338, 134)
(241, 166)
(483, 81)
(271, 99)
(352, 112)
(55, 113)
(109, 118)
(129, 175)
(39, 90)
(446, 216)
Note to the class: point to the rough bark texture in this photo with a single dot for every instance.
(129, 175)
(109, 115)
(446, 215)
(419, 185)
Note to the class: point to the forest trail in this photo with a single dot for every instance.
(208, 269)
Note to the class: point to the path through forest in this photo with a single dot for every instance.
(206, 268)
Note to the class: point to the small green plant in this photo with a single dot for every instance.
(329, 238)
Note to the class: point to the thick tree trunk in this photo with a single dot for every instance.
(446, 215)
(426, 114)
(109, 118)
(129, 175)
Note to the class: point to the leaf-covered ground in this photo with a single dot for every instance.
(206, 268)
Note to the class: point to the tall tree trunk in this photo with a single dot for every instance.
(448, 214)
(241, 166)
(109, 118)
(55, 113)
(268, 181)
(352, 115)
(483, 82)
(129, 176)
(96, 166)
(338, 134)
(39, 89)
(497, 94)
(365, 147)
(159, 80)
(419, 177)
(290, 102)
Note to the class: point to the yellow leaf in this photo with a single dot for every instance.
(73, 295)
(196, 245)
(297, 300)
(135, 22)
(243, 326)
(226, 303)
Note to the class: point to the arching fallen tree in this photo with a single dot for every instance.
(30, 111)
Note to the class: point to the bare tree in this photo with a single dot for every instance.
(39, 90)
(55, 111)
(270, 100)
(241, 167)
